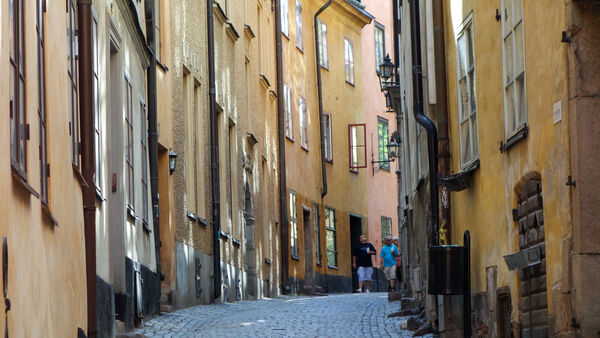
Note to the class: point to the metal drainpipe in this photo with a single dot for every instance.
(153, 134)
(442, 107)
(86, 125)
(320, 93)
(281, 153)
(423, 120)
(214, 153)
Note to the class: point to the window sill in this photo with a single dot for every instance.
(521, 134)
(79, 176)
(332, 267)
(162, 66)
(146, 227)
(24, 184)
(223, 235)
(236, 243)
(304, 148)
(48, 213)
(319, 264)
(354, 171)
(350, 83)
(296, 258)
(329, 161)
(325, 67)
(285, 35)
(300, 50)
(460, 181)
(131, 214)
(289, 138)
(99, 196)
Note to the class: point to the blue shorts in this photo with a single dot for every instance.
(365, 273)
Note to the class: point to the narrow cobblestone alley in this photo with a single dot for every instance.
(347, 315)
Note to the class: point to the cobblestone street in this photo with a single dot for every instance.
(347, 315)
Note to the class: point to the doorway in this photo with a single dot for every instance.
(355, 232)
(309, 265)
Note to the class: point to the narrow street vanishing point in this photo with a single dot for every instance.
(345, 315)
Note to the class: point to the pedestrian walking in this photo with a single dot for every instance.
(388, 262)
(396, 242)
(362, 258)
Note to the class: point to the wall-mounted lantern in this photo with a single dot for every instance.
(172, 161)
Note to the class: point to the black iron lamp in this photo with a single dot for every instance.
(172, 161)
(393, 151)
(386, 69)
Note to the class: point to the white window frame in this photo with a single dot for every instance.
(285, 18)
(331, 232)
(515, 105)
(349, 60)
(299, 37)
(294, 250)
(303, 118)
(322, 36)
(287, 106)
(328, 142)
(467, 100)
(379, 45)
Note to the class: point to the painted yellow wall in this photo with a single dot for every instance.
(42, 256)
(485, 208)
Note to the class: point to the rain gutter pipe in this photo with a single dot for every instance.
(320, 93)
(423, 120)
(86, 125)
(214, 153)
(281, 152)
(153, 132)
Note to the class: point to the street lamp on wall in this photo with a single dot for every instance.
(393, 150)
(172, 161)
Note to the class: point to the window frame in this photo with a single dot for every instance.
(303, 119)
(285, 18)
(129, 151)
(517, 115)
(294, 250)
(388, 233)
(73, 74)
(145, 165)
(379, 60)
(328, 136)
(469, 116)
(98, 177)
(288, 116)
(43, 131)
(333, 231)
(382, 142)
(299, 26)
(157, 29)
(353, 148)
(322, 43)
(17, 90)
(349, 61)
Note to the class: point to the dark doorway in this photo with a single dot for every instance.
(309, 265)
(355, 232)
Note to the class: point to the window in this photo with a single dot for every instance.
(18, 123)
(287, 106)
(285, 17)
(331, 237)
(328, 147)
(421, 148)
(467, 105)
(357, 145)
(129, 151)
(144, 143)
(349, 59)
(293, 225)
(386, 228)
(382, 137)
(317, 233)
(157, 25)
(379, 44)
(97, 119)
(322, 36)
(42, 102)
(513, 54)
(299, 38)
(303, 122)
(72, 54)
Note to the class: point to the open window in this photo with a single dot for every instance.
(357, 140)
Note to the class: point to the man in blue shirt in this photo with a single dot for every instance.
(388, 262)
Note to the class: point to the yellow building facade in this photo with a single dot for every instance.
(323, 220)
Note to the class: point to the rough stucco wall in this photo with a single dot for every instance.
(382, 192)
(494, 186)
(41, 256)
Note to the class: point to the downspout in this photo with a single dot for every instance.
(423, 120)
(86, 125)
(281, 152)
(320, 93)
(214, 153)
(152, 133)
(398, 110)
(442, 109)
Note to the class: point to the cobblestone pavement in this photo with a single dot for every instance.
(340, 315)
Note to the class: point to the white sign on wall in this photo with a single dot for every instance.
(557, 111)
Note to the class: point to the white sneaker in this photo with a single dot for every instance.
(359, 290)
(368, 291)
